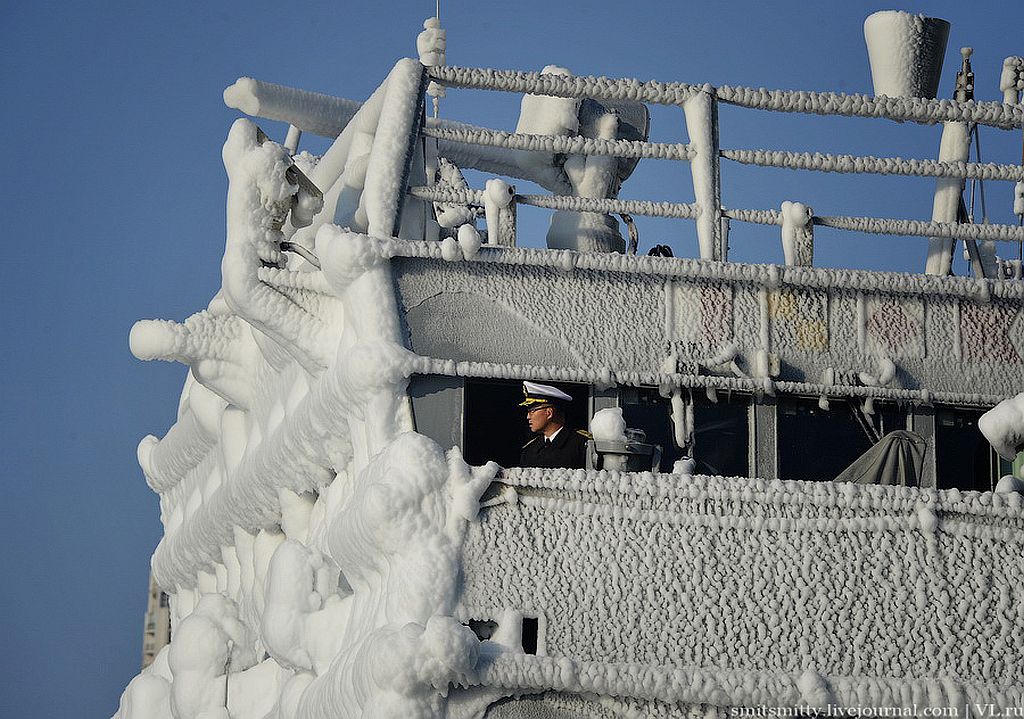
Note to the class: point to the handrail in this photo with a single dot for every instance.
(568, 203)
(996, 114)
(562, 143)
(866, 164)
(822, 162)
(870, 225)
(890, 226)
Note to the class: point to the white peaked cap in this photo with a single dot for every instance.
(535, 391)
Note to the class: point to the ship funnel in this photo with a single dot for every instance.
(905, 52)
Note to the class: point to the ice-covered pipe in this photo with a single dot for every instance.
(308, 111)
(954, 147)
(867, 164)
(676, 93)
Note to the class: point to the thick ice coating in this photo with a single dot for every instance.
(1003, 426)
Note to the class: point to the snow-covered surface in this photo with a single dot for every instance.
(302, 522)
(712, 590)
(906, 52)
(1003, 426)
(607, 425)
(619, 317)
(321, 556)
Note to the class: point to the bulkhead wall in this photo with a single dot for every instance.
(956, 337)
(862, 584)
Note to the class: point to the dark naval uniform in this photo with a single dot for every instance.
(568, 449)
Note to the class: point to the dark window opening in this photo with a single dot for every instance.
(494, 425)
(530, 629)
(165, 601)
(482, 628)
(721, 433)
(818, 444)
(963, 457)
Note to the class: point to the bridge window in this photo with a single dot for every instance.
(721, 429)
(818, 444)
(963, 457)
(494, 426)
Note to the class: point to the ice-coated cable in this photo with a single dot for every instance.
(562, 144)
(676, 93)
(566, 203)
(874, 165)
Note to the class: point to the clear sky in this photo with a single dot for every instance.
(113, 123)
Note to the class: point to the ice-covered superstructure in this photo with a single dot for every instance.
(329, 552)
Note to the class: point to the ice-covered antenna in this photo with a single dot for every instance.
(431, 44)
(965, 78)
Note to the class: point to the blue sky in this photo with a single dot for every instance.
(113, 123)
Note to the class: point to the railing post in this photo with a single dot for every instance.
(701, 111)
(954, 147)
(507, 223)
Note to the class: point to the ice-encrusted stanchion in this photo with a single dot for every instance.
(701, 111)
(954, 147)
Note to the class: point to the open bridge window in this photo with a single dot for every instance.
(721, 429)
(963, 457)
(494, 425)
(818, 444)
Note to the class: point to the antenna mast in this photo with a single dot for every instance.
(431, 45)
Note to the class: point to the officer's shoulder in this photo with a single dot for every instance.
(584, 433)
(530, 442)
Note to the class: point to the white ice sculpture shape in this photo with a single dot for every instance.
(1011, 79)
(259, 194)
(1003, 426)
(207, 643)
(797, 234)
(498, 194)
(220, 351)
(594, 177)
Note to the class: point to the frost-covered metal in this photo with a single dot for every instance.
(326, 556)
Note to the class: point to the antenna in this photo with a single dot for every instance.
(431, 45)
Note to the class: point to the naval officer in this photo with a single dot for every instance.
(553, 444)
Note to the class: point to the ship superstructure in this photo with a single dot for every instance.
(346, 533)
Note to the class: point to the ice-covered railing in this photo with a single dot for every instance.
(700, 105)
(326, 115)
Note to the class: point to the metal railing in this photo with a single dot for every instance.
(700, 105)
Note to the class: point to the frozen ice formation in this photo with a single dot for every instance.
(797, 234)
(906, 52)
(1011, 79)
(325, 557)
(1003, 426)
(607, 425)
